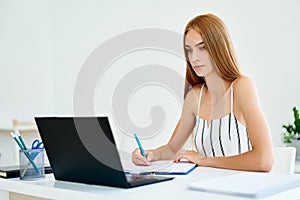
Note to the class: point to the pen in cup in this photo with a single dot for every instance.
(140, 145)
(17, 141)
(23, 147)
(21, 139)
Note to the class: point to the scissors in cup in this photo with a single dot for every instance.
(36, 144)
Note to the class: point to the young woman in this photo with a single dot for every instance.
(221, 107)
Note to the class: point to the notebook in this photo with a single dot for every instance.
(249, 184)
(14, 171)
(82, 149)
(161, 167)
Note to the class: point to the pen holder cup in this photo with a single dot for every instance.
(32, 164)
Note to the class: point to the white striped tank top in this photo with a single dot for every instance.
(224, 137)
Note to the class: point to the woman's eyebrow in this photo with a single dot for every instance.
(199, 43)
(196, 44)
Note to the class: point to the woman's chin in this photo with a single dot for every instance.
(200, 74)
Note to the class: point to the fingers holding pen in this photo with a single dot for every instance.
(139, 159)
(139, 155)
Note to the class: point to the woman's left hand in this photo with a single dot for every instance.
(191, 156)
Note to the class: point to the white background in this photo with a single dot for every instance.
(43, 44)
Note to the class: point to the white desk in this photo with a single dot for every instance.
(297, 167)
(174, 189)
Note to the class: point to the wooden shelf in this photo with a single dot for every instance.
(20, 128)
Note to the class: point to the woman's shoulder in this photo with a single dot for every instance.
(243, 84)
(192, 98)
(244, 87)
(195, 90)
(197, 87)
(192, 95)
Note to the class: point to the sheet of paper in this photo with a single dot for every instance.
(161, 166)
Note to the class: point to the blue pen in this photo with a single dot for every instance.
(140, 145)
(21, 140)
(17, 141)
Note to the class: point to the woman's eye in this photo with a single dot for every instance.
(188, 50)
(202, 48)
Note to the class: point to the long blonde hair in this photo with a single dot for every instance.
(219, 46)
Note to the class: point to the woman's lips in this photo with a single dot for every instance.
(198, 66)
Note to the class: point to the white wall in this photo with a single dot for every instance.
(45, 43)
(26, 69)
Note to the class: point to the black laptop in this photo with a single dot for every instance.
(82, 149)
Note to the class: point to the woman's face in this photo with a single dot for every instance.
(197, 54)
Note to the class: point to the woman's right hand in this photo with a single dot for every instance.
(139, 159)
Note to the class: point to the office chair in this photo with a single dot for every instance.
(284, 161)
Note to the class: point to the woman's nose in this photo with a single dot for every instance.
(194, 57)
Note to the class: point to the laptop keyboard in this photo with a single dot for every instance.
(144, 179)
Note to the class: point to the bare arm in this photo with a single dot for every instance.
(260, 158)
(181, 133)
(182, 130)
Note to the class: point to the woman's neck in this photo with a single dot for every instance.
(216, 86)
(218, 94)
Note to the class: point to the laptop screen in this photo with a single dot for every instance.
(82, 149)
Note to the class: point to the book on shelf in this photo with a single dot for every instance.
(14, 171)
